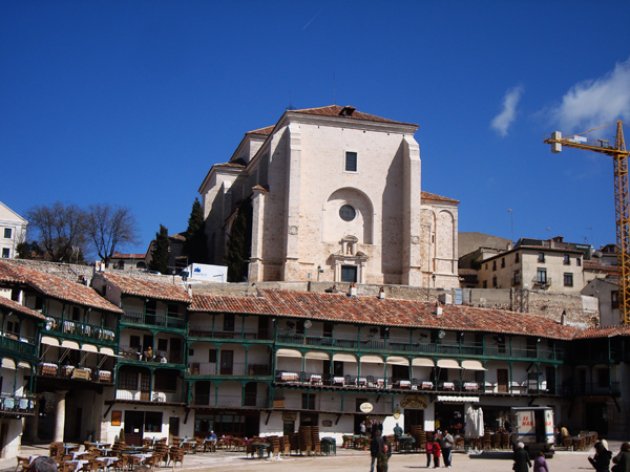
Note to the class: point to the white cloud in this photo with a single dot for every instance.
(502, 122)
(596, 102)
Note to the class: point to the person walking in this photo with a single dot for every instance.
(447, 447)
(540, 463)
(601, 460)
(428, 449)
(437, 451)
(521, 459)
(384, 453)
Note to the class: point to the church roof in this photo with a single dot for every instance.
(347, 112)
(434, 197)
(141, 287)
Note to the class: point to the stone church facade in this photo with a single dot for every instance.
(331, 194)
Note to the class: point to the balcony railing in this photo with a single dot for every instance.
(49, 369)
(22, 346)
(153, 320)
(228, 401)
(237, 368)
(132, 353)
(17, 404)
(196, 332)
(80, 331)
(146, 396)
(392, 346)
(592, 389)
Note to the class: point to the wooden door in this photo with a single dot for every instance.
(502, 380)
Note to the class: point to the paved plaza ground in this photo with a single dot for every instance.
(347, 461)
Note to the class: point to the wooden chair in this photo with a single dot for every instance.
(68, 467)
(176, 454)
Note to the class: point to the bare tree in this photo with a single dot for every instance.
(62, 231)
(109, 227)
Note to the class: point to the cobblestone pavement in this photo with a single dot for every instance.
(349, 461)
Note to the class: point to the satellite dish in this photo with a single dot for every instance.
(308, 324)
(441, 334)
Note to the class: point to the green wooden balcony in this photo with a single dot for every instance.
(82, 332)
(20, 348)
(153, 320)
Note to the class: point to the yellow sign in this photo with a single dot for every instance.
(416, 402)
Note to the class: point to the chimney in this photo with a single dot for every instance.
(381, 293)
(438, 309)
(353, 290)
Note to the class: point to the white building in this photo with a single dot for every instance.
(12, 231)
(331, 194)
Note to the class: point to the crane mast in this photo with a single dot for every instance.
(622, 203)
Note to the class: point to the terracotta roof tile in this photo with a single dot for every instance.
(55, 287)
(605, 332)
(335, 110)
(142, 287)
(436, 198)
(14, 306)
(266, 131)
(390, 312)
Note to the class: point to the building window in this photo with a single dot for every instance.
(6, 252)
(8, 233)
(566, 259)
(578, 261)
(541, 276)
(328, 329)
(485, 284)
(502, 262)
(308, 401)
(568, 279)
(541, 257)
(351, 162)
(614, 299)
(517, 278)
(153, 422)
(494, 282)
(165, 381)
(494, 265)
(347, 213)
(348, 273)
(228, 322)
(212, 356)
(517, 257)
(128, 379)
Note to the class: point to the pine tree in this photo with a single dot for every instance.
(196, 245)
(159, 255)
(239, 243)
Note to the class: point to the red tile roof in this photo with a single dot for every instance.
(606, 332)
(436, 198)
(14, 306)
(142, 287)
(335, 110)
(266, 131)
(390, 312)
(55, 287)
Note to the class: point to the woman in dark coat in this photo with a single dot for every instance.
(622, 460)
(521, 459)
(601, 460)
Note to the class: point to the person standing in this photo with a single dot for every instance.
(601, 460)
(540, 464)
(622, 460)
(428, 449)
(437, 451)
(398, 432)
(521, 459)
(384, 453)
(447, 447)
(374, 447)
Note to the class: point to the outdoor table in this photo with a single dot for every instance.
(329, 445)
(289, 376)
(78, 454)
(361, 381)
(406, 443)
(260, 448)
(448, 386)
(108, 461)
(471, 386)
(404, 384)
(338, 380)
(68, 447)
(426, 385)
(79, 464)
(316, 379)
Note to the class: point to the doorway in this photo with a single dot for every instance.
(413, 418)
(597, 418)
(134, 427)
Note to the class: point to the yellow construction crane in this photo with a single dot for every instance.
(622, 203)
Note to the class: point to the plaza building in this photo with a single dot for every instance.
(330, 193)
(12, 231)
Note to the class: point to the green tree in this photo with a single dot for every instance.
(159, 254)
(240, 243)
(196, 245)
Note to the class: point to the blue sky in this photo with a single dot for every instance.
(131, 102)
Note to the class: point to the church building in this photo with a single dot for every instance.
(330, 194)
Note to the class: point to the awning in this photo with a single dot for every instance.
(318, 356)
(448, 364)
(107, 351)
(89, 348)
(344, 357)
(8, 363)
(422, 362)
(289, 353)
(371, 360)
(457, 399)
(70, 344)
(24, 365)
(472, 365)
(50, 341)
(397, 360)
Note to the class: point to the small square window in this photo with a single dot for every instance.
(502, 262)
(541, 257)
(568, 279)
(351, 162)
(494, 265)
(494, 282)
(348, 273)
(614, 299)
(6, 252)
(517, 257)
(566, 259)
(8, 233)
(578, 261)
